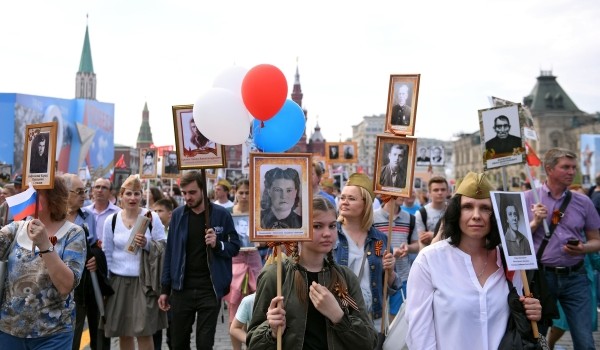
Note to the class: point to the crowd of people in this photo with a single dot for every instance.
(139, 265)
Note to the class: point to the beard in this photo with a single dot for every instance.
(196, 204)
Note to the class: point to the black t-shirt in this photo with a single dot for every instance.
(197, 273)
(315, 336)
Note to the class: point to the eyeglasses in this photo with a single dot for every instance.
(349, 199)
(100, 188)
(80, 192)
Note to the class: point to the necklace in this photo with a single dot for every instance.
(484, 265)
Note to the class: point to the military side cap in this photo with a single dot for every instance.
(132, 183)
(327, 183)
(475, 185)
(224, 183)
(361, 180)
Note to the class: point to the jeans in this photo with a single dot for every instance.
(573, 292)
(187, 305)
(59, 341)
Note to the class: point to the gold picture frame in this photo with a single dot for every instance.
(194, 150)
(148, 163)
(394, 179)
(39, 158)
(403, 97)
(341, 152)
(170, 165)
(281, 197)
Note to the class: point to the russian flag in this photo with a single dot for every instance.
(22, 204)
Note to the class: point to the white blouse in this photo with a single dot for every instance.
(447, 308)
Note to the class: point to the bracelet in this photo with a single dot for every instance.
(49, 250)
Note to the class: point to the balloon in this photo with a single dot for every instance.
(220, 116)
(264, 90)
(231, 79)
(281, 132)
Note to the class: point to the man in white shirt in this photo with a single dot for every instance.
(102, 207)
(221, 194)
(434, 211)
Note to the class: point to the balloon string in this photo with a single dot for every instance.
(262, 124)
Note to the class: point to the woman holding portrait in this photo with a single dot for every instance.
(362, 247)
(133, 310)
(44, 266)
(280, 198)
(457, 288)
(246, 265)
(321, 306)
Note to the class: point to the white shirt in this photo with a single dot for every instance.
(227, 204)
(447, 308)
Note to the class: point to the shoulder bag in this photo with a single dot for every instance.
(4, 264)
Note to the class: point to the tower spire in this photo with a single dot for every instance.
(85, 79)
(297, 90)
(144, 139)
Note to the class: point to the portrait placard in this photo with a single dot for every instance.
(437, 155)
(502, 143)
(515, 233)
(341, 152)
(39, 159)
(148, 163)
(194, 150)
(233, 175)
(394, 165)
(403, 97)
(170, 169)
(120, 175)
(281, 197)
(242, 226)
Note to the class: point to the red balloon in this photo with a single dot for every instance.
(264, 91)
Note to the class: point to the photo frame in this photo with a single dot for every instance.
(322, 161)
(403, 97)
(502, 141)
(39, 159)
(120, 175)
(394, 165)
(148, 163)
(281, 197)
(510, 210)
(341, 152)
(233, 175)
(194, 150)
(170, 165)
(241, 222)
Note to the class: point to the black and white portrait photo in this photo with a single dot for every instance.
(437, 155)
(501, 135)
(38, 161)
(402, 104)
(423, 156)
(242, 225)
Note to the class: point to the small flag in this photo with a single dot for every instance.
(532, 158)
(121, 163)
(22, 204)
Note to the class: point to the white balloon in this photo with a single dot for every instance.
(221, 116)
(231, 79)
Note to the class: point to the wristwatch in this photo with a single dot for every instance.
(50, 249)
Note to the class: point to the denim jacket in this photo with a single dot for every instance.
(341, 252)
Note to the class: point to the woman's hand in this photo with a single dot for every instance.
(140, 239)
(533, 308)
(276, 316)
(325, 302)
(38, 235)
(388, 261)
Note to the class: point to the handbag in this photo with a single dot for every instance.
(396, 336)
(4, 265)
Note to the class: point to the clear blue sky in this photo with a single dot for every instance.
(168, 52)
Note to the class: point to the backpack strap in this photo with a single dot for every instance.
(411, 228)
(114, 222)
(423, 212)
(553, 224)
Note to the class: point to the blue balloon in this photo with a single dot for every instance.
(281, 132)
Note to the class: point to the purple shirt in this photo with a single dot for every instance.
(580, 216)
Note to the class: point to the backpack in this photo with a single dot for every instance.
(411, 228)
(436, 228)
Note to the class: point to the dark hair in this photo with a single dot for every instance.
(321, 204)
(57, 199)
(39, 138)
(505, 202)
(437, 180)
(149, 153)
(165, 202)
(176, 190)
(452, 225)
(156, 194)
(278, 174)
(502, 117)
(192, 176)
(242, 182)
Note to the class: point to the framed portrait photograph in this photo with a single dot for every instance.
(423, 158)
(515, 232)
(194, 150)
(39, 159)
(403, 97)
(233, 175)
(148, 163)
(120, 176)
(242, 226)
(502, 142)
(394, 165)
(170, 166)
(332, 151)
(322, 161)
(281, 197)
(437, 155)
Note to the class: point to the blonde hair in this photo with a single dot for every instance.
(367, 215)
